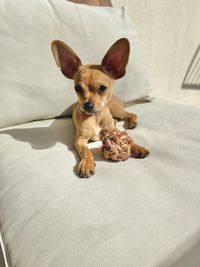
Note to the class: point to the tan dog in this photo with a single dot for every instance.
(96, 106)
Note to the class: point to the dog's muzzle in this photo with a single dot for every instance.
(88, 107)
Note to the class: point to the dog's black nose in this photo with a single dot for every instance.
(88, 107)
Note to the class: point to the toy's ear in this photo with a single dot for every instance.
(116, 58)
(66, 58)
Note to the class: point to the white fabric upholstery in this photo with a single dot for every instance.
(133, 213)
(31, 85)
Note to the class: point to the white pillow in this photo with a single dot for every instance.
(31, 85)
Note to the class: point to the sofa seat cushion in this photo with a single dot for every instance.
(137, 212)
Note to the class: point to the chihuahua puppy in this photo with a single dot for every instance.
(97, 106)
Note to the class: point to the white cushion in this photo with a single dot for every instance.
(141, 212)
(31, 85)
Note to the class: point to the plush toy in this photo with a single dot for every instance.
(116, 145)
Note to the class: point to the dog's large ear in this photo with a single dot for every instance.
(66, 58)
(116, 58)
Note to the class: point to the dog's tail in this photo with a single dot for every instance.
(138, 101)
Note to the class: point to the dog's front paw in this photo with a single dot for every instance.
(86, 168)
(132, 121)
(132, 124)
(139, 152)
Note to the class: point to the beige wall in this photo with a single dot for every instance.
(170, 33)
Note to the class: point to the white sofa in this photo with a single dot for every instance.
(134, 213)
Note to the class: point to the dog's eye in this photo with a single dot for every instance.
(102, 89)
(78, 88)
